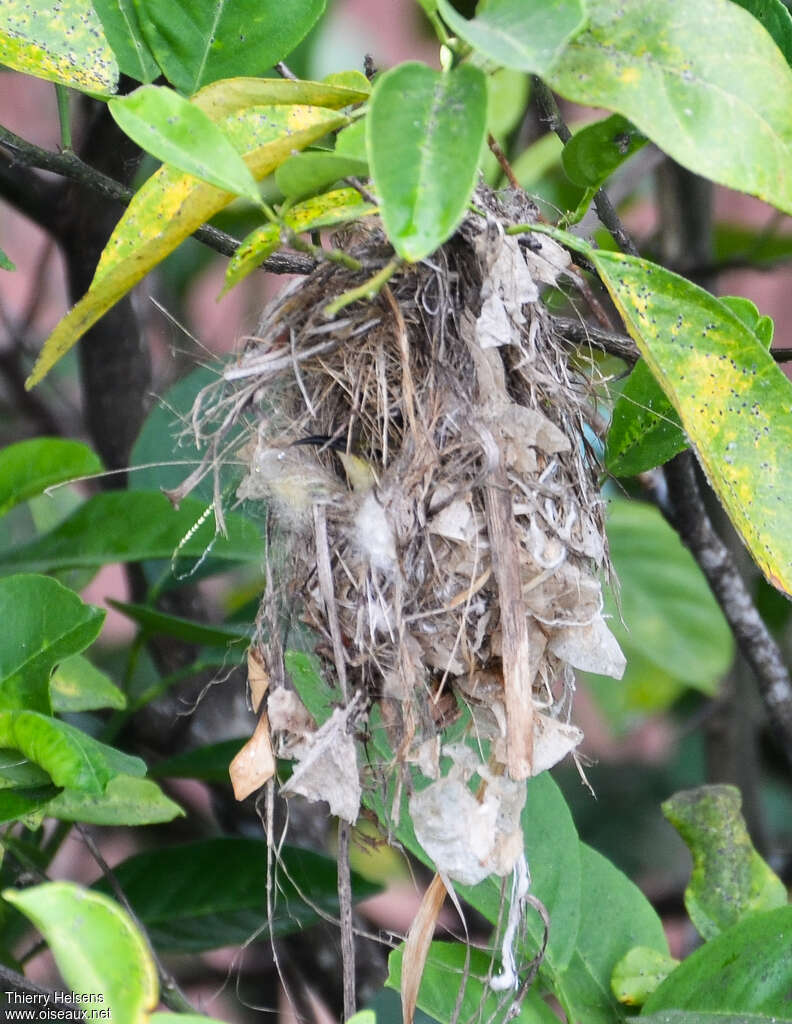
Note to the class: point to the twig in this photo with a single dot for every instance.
(594, 303)
(172, 995)
(345, 909)
(366, 193)
(579, 332)
(686, 512)
(550, 113)
(70, 166)
(285, 71)
(505, 166)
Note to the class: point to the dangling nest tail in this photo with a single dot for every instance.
(424, 463)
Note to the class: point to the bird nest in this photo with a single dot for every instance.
(433, 517)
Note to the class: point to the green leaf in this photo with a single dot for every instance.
(645, 430)
(171, 205)
(508, 100)
(72, 758)
(762, 326)
(332, 208)
(209, 763)
(554, 857)
(199, 41)
(77, 685)
(159, 623)
(181, 1018)
(349, 80)
(731, 397)
(27, 804)
(730, 879)
(351, 141)
(43, 623)
(614, 917)
(126, 801)
(305, 674)
(775, 18)
(525, 37)
(686, 1017)
(131, 526)
(594, 153)
(16, 772)
(180, 134)
(759, 248)
(669, 612)
(211, 893)
(638, 974)
(745, 970)
(669, 68)
(551, 848)
(28, 468)
(5, 262)
(68, 47)
(446, 970)
(122, 28)
(158, 459)
(425, 135)
(308, 173)
(96, 946)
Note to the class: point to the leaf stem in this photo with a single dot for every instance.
(62, 96)
(368, 290)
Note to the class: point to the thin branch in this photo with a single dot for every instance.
(32, 996)
(345, 909)
(550, 113)
(685, 511)
(502, 159)
(171, 994)
(579, 332)
(70, 166)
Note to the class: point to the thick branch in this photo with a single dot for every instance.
(686, 512)
(18, 989)
(550, 113)
(68, 165)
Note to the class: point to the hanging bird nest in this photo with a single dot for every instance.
(434, 519)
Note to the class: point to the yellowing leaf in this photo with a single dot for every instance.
(734, 402)
(671, 68)
(231, 94)
(343, 204)
(171, 205)
(64, 43)
(179, 133)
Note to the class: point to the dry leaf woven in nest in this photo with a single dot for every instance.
(433, 510)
